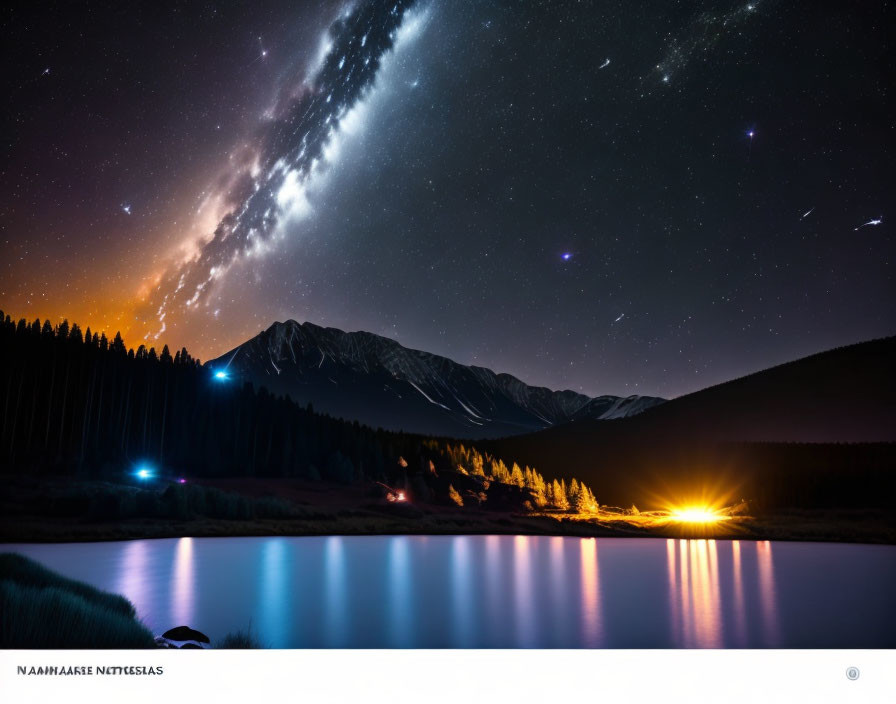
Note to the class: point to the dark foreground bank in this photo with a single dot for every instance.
(44, 610)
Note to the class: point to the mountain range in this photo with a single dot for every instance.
(376, 381)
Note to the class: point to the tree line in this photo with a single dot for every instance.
(79, 404)
(554, 494)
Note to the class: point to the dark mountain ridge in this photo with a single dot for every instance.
(375, 380)
(727, 434)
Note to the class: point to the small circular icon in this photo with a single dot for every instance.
(852, 673)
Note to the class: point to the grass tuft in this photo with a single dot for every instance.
(239, 640)
(43, 609)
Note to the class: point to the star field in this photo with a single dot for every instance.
(610, 197)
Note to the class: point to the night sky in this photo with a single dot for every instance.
(612, 197)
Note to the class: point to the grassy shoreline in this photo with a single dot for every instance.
(817, 527)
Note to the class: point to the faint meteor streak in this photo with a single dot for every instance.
(604, 64)
(621, 316)
(807, 213)
(874, 222)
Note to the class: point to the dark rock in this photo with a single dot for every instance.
(185, 633)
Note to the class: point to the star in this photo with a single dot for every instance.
(566, 256)
(126, 208)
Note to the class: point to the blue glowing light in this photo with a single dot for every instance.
(221, 375)
(144, 473)
(566, 256)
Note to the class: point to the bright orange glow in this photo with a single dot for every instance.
(703, 517)
(696, 514)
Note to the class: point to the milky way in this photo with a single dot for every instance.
(288, 153)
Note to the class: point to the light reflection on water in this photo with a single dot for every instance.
(767, 591)
(399, 590)
(182, 583)
(557, 589)
(524, 606)
(462, 597)
(590, 595)
(698, 574)
(131, 574)
(275, 606)
(499, 591)
(740, 616)
(335, 593)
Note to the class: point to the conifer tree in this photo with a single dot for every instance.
(560, 498)
(516, 476)
(583, 502)
(477, 464)
(573, 491)
(538, 486)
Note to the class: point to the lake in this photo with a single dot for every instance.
(499, 591)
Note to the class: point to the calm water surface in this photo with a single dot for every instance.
(500, 591)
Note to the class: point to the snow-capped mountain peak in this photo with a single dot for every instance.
(377, 381)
